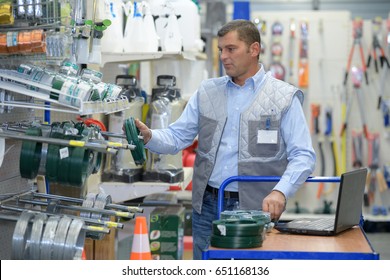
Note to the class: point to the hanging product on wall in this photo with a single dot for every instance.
(329, 136)
(262, 27)
(315, 130)
(303, 66)
(276, 67)
(357, 37)
(291, 51)
(376, 182)
(357, 78)
(376, 48)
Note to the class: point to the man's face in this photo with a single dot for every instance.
(238, 59)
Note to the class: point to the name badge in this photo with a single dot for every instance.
(267, 136)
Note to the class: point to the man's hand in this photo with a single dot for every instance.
(275, 203)
(145, 131)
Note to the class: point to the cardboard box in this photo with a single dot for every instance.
(166, 233)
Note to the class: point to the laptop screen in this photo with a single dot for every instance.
(350, 199)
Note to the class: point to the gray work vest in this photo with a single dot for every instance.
(271, 102)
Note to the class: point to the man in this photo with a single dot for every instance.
(247, 123)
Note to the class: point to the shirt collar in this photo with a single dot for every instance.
(255, 80)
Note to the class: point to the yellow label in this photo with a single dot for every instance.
(76, 143)
(122, 214)
(95, 228)
(111, 224)
(115, 144)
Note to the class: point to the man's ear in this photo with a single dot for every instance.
(255, 49)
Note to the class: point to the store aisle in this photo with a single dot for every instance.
(380, 241)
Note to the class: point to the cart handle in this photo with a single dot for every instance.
(315, 179)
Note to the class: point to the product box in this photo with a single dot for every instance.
(166, 232)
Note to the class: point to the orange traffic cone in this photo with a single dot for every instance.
(141, 248)
(83, 255)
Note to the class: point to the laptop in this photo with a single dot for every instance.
(348, 210)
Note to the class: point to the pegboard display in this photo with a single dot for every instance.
(329, 39)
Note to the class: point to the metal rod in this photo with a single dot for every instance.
(96, 229)
(108, 224)
(102, 148)
(132, 209)
(81, 208)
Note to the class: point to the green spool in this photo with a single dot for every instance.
(64, 164)
(132, 133)
(80, 159)
(30, 155)
(238, 228)
(236, 242)
(53, 158)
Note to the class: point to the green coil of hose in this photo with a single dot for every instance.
(132, 133)
(80, 160)
(30, 155)
(237, 228)
(247, 214)
(236, 242)
(64, 164)
(53, 158)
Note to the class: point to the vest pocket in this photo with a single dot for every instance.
(265, 148)
(207, 128)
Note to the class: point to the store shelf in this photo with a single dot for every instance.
(121, 192)
(18, 85)
(108, 57)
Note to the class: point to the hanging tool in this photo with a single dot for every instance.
(385, 65)
(376, 46)
(315, 112)
(262, 27)
(276, 67)
(303, 67)
(375, 177)
(329, 138)
(329, 134)
(357, 77)
(291, 51)
(357, 150)
(357, 36)
(357, 160)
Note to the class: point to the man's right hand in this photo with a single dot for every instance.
(145, 131)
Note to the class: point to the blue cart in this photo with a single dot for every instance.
(349, 245)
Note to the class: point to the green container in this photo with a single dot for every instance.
(166, 233)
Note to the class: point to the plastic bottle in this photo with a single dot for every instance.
(112, 10)
(150, 30)
(173, 41)
(134, 33)
(189, 24)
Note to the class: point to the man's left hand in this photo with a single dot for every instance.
(274, 203)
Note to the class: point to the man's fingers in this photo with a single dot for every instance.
(144, 129)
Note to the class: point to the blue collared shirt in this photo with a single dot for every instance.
(182, 132)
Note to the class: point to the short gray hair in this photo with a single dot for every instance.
(246, 30)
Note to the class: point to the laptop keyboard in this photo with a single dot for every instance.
(321, 224)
